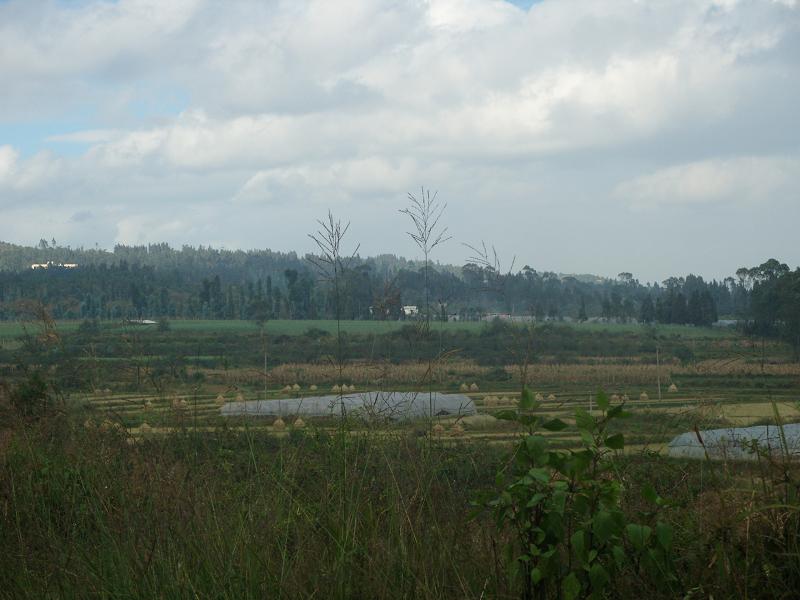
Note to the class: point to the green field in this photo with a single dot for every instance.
(12, 329)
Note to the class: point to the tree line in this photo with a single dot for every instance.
(157, 281)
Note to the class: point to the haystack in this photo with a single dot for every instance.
(147, 405)
(463, 387)
(457, 430)
(299, 423)
(336, 389)
(615, 397)
(551, 398)
(625, 398)
(144, 428)
(474, 387)
(295, 388)
(286, 389)
(109, 425)
(220, 399)
(539, 397)
(240, 397)
(278, 424)
(437, 429)
(313, 387)
(673, 388)
(504, 401)
(644, 397)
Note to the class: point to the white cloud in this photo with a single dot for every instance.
(24, 175)
(745, 179)
(198, 113)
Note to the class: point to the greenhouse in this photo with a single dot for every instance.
(394, 406)
(738, 442)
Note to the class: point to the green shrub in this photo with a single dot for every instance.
(569, 535)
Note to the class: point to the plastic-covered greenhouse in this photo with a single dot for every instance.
(369, 405)
(738, 442)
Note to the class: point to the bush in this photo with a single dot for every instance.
(569, 535)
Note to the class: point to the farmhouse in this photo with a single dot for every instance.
(410, 310)
(49, 264)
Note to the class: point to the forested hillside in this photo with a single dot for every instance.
(158, 281)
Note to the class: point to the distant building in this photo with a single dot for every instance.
(142, 322)
(410, 310)
(49, 264)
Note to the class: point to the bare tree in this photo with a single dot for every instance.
(331, 263)
(425, 213)
(427, 233)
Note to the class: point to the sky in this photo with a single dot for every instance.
(657, 137)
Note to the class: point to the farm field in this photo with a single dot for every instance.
(134, 443)
(11, 329)
(652, 423)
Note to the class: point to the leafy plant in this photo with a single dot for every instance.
(569, 535)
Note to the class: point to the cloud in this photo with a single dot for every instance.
(25, 175)
(184, 116)
(744, 179)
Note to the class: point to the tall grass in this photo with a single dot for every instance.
(237, 515)
(361, 514)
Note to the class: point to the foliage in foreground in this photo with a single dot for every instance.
(570, 536)
(238, 514)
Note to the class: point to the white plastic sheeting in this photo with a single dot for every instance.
(369, 405)
(737, 442)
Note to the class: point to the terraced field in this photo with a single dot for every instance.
(651, 425)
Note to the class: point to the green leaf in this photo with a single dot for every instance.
(638, 535)
(584, 420)
(618, 413)
(526, 399)
(541, 475)
(619, 555)
(535, 500)
(536, 575)
(559, 502)
(506, 415)
(604, 526)
(527, 420)
(570, 587)
(603, 400)
(586, 437)
(536, 445)
(616, 441)
(578, 541)
(554, 425)
(598, 576)
(649, 493)
(664, 535)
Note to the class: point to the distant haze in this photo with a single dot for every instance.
(657, 137)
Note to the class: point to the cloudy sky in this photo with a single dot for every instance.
(656, 137)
